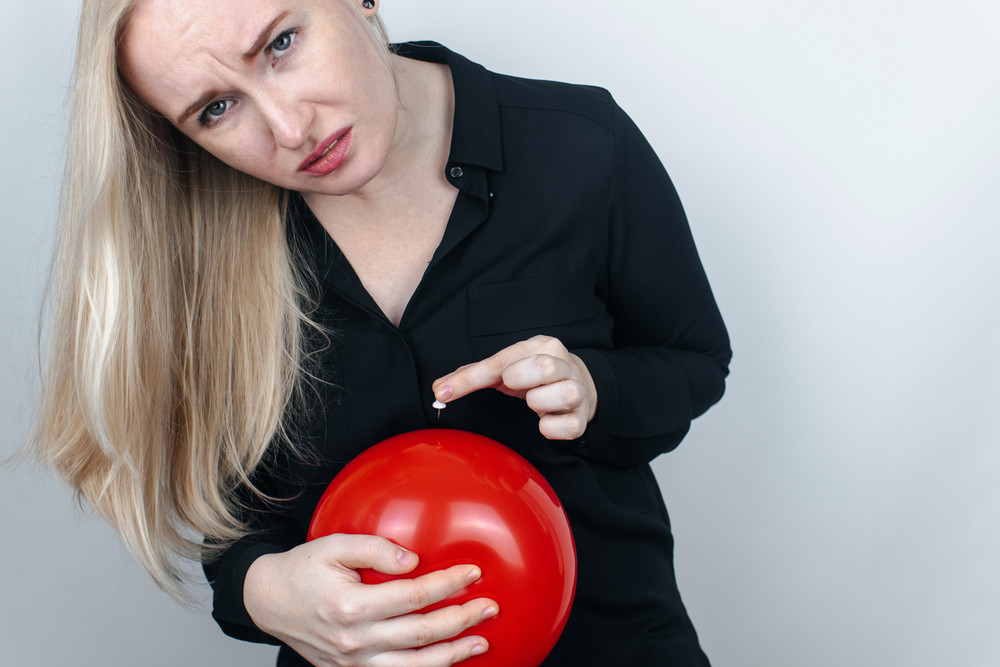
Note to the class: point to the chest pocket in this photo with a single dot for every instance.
(559, 305)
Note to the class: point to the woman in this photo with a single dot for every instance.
(283, 240)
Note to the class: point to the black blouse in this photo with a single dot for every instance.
(566, 224)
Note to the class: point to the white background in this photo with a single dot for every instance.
(839, 165)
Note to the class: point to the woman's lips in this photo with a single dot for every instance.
(328, 155)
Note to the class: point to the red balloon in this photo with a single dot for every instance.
(454, 497)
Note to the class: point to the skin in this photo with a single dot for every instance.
(274, 110)
(554, 382)
(265, 111)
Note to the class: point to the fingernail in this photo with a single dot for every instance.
(405, 558)
(478, 649)
(444, 393)
(490, 612)
(473, 575)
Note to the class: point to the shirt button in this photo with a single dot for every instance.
(456, 172)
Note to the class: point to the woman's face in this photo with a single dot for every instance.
(294, 92)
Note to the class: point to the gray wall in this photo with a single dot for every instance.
(839, 164)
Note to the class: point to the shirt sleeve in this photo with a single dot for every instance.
(671, 349)
(226, 574)
(226, 571)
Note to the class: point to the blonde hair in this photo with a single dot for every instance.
(178, 320)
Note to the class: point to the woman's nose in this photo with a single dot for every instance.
(290, 120)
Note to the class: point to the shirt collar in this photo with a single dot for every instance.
(475, 136)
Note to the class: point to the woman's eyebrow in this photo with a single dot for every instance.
(264, 37)
(196, 106)
(262, 40)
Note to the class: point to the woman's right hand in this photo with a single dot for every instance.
(312, 599)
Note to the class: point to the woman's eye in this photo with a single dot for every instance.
(282, 43)
(214, 111)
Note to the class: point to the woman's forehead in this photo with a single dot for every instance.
(170, 46)
(171, 21)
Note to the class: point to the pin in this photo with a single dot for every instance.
(439, 406)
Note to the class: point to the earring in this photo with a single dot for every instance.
(368, 4)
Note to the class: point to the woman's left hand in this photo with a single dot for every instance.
(553, 381)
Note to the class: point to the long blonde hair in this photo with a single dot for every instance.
(177, 326)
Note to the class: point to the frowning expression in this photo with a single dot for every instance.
(295, 92)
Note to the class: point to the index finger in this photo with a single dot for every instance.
(485, 374)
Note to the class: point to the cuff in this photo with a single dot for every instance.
(228, 608)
